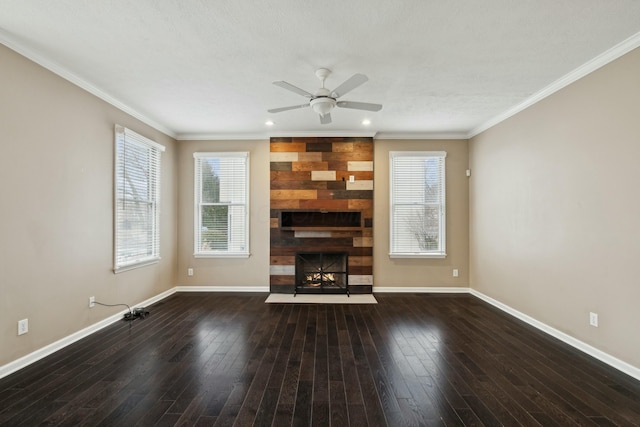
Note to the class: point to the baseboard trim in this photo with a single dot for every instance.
(222, 289)
(421, 290)
(612, 361)
(45, 351)
(568, 339)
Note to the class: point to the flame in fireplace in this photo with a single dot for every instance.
(316, 279)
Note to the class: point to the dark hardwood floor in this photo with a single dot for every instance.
(229, 359)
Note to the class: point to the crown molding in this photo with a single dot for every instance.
(422, 135)
(599, 61)
(266, 136)
(328, 134)
(221, 136)
(606, 57)
(59, 70)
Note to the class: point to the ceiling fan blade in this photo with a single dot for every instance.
(326, 119)
(293, 107)
(293, 88)
(359, 105)
(350, 84)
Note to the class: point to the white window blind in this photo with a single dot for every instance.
(221, 204)
(417, 204)
(137, 196)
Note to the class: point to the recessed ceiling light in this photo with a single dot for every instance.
(366, 122)
(269, 123)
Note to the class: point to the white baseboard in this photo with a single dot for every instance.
(614, 362)
(222, 288)
(574, 342)
(45, 351)
(421, 290)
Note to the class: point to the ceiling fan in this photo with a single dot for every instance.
(324, 100)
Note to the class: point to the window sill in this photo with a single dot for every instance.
(222, 255)
(417, 255)
(136, 265)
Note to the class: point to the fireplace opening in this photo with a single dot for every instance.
(322, 272)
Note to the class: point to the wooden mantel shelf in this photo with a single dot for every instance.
(321, 220)
(336, 228)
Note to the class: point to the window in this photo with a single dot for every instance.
(221, 204)
(137, 197)
(417, 204)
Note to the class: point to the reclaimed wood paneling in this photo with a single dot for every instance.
(342, 147)
(358, 175)
(309, 157)
(282, 280)
(360, 204)
(293, 194)
(321, 147)
(313, 174)
(282, 260)
(354, 156)
(280, 166)
(283, 157)
(327, 204)
(336, 185)
(299, 185)
(361, 261)
(285, 204)
(290, 147)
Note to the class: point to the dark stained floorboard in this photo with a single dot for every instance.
(225, 359)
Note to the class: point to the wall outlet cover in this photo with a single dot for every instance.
(23, 326)
(593, 319)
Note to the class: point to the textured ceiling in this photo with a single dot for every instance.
(205, 68)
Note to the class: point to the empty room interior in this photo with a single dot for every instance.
(281, 144)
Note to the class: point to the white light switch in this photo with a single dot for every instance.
(352, 178)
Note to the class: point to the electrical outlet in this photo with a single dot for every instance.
(593, 319)
(190, 272)
(92, 302)
(23, 326)
(455, 272)
(352, 178)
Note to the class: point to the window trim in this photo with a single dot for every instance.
(197, 253)
(125, 136)
(441, 252)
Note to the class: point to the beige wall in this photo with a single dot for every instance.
(547, 224)
(555, 211)
(56, 209)
(254, 271)
(226, 272)
(396, 272)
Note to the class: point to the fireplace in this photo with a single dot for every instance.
(321, 201)
(322, 272)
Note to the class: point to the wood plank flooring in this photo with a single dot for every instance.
(224, 359)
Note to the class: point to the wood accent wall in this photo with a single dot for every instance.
(312, 174)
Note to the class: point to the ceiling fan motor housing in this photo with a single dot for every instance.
(323, 104)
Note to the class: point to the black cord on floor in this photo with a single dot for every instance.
(116, 305)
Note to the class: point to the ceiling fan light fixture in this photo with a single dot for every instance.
(323, 105)
(325, 100)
